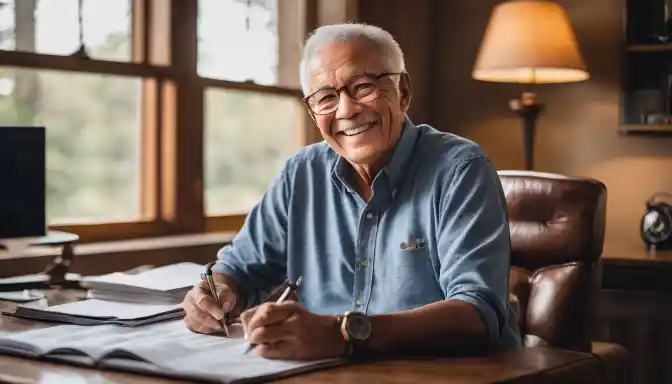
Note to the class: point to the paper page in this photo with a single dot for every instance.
(174, 348)
(25, 296)
(40, 277)
(120, 310)
(92, 341)
(165, 278)
(133, 297)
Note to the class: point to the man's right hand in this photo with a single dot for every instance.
(203, 312)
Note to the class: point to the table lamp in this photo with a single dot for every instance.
(529, 42)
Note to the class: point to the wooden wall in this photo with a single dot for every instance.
(577, 134)
(408, 22)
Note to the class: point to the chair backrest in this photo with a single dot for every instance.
(557, 232)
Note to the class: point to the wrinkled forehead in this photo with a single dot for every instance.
(334, 64)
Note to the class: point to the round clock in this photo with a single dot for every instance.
(656, 226)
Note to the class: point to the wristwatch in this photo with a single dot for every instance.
(356, 330)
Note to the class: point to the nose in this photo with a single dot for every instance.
(346, 106)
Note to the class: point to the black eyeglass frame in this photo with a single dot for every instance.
(374, 76)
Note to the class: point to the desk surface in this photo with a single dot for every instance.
(528, 365)
(538, 365)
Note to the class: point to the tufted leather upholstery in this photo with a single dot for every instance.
(557, 232)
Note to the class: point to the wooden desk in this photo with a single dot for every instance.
(530, 365)
(533, 365)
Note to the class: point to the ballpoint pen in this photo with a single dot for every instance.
(288, 291)
(213, 292)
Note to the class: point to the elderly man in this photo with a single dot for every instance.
(399, 232)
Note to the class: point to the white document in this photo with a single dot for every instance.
(168, 278)
(39, 277)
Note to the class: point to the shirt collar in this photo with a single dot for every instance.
(395, 169)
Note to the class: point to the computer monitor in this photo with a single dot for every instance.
(22, 184)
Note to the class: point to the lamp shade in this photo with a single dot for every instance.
(529, 41)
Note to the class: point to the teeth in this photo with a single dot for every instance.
(356, 130)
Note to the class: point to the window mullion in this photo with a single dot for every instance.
(139, 31)
(186, 143)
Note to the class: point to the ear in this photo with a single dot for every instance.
(405, 91)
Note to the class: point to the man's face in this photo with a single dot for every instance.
(361, 132)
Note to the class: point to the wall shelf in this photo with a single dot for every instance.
(646, 48)
(651, 130)
(646, 93)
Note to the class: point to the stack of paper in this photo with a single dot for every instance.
(163, 285)
(98, 312)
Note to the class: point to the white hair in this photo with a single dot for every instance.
(337, 33)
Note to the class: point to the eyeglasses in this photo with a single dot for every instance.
(361, 89)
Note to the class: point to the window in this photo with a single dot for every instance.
(248, 132)
(249, 136)
(175, 121)
(238, 40)
(53, 27)
(71, 70)
(92, 123)
(92, 120)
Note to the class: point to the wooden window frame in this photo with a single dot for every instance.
(164, 55)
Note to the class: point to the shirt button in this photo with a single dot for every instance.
(358, 302)
(369, 215)
(365, 262)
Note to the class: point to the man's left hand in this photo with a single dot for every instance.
(289, 331)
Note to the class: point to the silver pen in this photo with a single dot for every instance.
(213, 292)
(288, 291)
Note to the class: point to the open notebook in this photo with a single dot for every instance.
(166, 349)
(162, 285)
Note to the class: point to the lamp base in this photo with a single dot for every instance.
(527, 107)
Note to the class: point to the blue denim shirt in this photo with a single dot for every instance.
(436, 228)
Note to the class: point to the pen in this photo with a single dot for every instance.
(288, 291)
(213, 292)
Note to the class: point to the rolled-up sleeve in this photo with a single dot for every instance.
(256, 258)
(474, 242)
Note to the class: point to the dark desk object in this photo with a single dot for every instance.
(61, 265)
(528, 365)
(23, 176)
(557, 234)
(55, 272)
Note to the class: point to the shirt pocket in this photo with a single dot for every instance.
(410, 263)
(410, 278)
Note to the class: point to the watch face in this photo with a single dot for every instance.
(358, 327)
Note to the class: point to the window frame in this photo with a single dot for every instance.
(164, 54)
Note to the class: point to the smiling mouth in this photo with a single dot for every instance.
(357, 130)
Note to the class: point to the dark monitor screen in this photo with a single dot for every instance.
(22, 181)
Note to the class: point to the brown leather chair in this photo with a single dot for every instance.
(557, 232)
